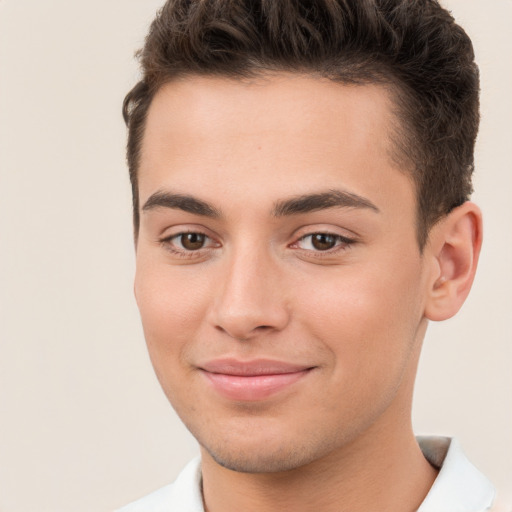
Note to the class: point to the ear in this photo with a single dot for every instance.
(453, 248)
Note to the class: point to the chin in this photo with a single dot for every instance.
(274, 452)
(261, 460)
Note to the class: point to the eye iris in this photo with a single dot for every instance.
(323, 241)
(192, 241)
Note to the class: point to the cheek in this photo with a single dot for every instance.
(367, 319)
(171, 306)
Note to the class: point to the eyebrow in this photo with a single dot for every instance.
(183, 202)
(314, 202)
(293, 206)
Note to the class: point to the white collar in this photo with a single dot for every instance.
(459, 487)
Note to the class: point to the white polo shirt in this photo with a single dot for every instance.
(459, 486)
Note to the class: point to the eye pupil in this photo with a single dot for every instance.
(192, 241)
(323, 241)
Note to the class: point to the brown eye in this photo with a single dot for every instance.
(323, 241)
(192, 241)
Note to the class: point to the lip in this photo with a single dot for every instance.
(252, 380)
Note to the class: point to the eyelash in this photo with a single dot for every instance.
(342, 244)
(184, 253)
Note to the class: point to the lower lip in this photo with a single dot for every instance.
(252, 387)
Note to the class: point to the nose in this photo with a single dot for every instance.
(252, 297)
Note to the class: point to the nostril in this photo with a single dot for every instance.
(263, 328)
(246, 336)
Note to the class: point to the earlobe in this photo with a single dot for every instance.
(454, 246)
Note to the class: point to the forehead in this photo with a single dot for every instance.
(304, 132)
(294, 103)
(292, 94)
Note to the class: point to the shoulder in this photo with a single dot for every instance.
(157, 501)
(184, 495)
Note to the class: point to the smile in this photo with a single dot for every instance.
(252, 380)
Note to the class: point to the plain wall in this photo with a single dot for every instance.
(84, 425)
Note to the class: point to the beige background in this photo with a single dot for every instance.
(83, 424)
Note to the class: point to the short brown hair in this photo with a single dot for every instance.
(414, 46)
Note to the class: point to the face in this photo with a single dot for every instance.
(279, 280)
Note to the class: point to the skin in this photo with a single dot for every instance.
(258, 287)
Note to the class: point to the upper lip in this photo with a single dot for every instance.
(254, 367)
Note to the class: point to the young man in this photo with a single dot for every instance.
(301, 174)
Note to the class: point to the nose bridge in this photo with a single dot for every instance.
(251, 297)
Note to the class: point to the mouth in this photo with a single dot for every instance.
(252, 380)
